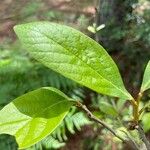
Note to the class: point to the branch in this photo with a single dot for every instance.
(133, 143)
(95, 119)
(142, 136)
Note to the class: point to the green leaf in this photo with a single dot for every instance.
(107, 108)
(146, 78)
(34, 115)
(146, 121)
(74, 55)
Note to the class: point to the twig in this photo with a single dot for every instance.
(131, 140)
(142, 136)
(92, 117)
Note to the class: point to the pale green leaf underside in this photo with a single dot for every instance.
(146, 78)
(74, 55)
(33, 116)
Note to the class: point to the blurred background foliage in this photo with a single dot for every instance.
(121, 26)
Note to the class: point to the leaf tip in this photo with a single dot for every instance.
(16, 29)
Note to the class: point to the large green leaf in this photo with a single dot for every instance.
(74, 55)
(34, 115)
(146, 78)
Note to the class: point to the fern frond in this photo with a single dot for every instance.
(72, 122)
(50, 142)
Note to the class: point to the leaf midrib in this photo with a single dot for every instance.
(13, 122)
(30, 119)
(24, 146)
(35, 115)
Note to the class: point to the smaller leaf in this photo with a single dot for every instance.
(107, 108)
(146, 78)
(146, 122)
(34, 115)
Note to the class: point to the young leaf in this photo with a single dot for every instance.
(146, 78)
(34, 115)
(74, 55)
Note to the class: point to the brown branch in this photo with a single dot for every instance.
(143, 136)
(131, 140)
(95, 119)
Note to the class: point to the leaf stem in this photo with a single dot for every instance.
(135, 104)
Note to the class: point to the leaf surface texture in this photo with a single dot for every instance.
(74, 55)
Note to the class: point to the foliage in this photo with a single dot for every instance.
(84, 58)
(78, 61)
(35, 115)
(146, 119)
(73, 121)
(146, 78)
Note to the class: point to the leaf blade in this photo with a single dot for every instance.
(80, 58)
(27, 125)
(146, 78)
(145, 121)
